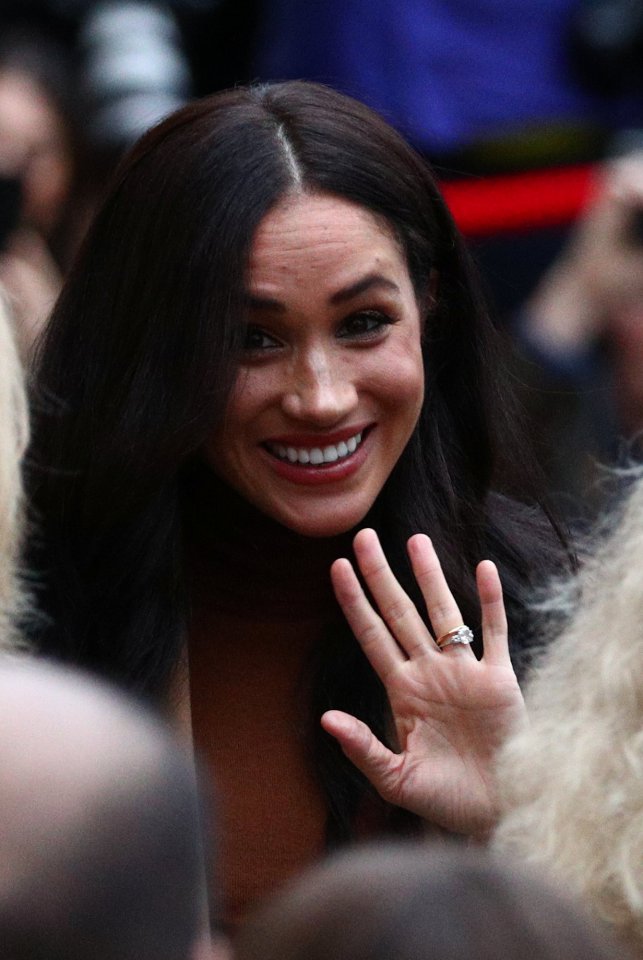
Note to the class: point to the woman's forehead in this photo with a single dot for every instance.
(312, 233)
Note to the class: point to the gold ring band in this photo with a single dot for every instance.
(461, 634)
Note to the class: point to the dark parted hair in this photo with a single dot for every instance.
(422, 902)
(138, 360)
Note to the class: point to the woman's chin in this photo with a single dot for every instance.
(323, 526)
(321, 531)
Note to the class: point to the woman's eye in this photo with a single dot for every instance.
(368, 323)
(257, 340)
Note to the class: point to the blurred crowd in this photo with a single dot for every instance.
(531, 112)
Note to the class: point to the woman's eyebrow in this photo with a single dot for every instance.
(367, 283)
(363, 285)
(263, 303)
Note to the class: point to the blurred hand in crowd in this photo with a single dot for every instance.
(595, 289)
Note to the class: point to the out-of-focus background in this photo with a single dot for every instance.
(530, 110)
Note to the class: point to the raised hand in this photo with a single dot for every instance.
(451, 711)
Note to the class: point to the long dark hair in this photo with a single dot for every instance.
(138, 361)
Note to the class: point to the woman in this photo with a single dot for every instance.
(271, 337)
(406, 901)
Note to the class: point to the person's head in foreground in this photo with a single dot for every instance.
(100, 845)
(420, 902)
(572, 779)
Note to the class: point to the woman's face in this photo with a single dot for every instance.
(331, 383)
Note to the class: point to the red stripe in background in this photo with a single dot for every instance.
(521, 201)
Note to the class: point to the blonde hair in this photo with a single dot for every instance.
(14, 435)
(572, 780)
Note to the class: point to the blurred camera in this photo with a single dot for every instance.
(10, 205)
(637, 228)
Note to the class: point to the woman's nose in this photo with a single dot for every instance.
(320, 390)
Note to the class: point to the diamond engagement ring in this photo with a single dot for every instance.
(460, 634)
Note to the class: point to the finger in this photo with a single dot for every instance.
(396, 607)
(443, 611)
(625, 179)
(494, 618)
(376, 762)
(369, 629)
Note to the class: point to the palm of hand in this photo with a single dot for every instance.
(450, 720)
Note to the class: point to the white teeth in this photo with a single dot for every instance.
(315, 455)
(330, 454)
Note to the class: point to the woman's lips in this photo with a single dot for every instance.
(317, 460)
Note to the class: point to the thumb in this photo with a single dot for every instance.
(361, 746)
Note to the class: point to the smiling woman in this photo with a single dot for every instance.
(272, 338)
(331, 381)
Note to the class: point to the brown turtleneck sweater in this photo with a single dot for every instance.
(260, 596)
